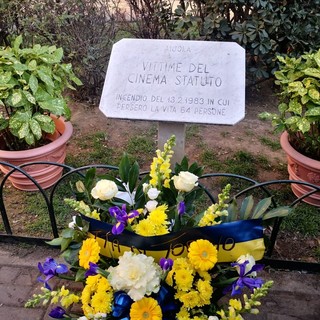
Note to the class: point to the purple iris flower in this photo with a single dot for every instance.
(57, 313)
(93, 270)
(166, 264)
(244, 280)
(122, 218)
(50, 268)
(181, 208)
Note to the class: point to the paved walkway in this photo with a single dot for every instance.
(294, 296)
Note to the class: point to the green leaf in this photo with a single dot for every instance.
(124, 168)
(33, 84)
(133, 176)
(303, 125)
(67, 233)
(45, 78)
(65, 242)
(283, 107)
(5, 77)
(232, 211)
(314, 94)
(80, 275)
(29, 97)
(32, 65)
(56, 106)
(4, 123)
(313, 112)
(35, 129)
(295, 107)
(277, 212)
(317, 58)
(55, 242)
(16, 98)
(29, 138)
(89, 178)
(313, 72)
(17, 42)
(261, 208)
(46, 123)
(246, 207)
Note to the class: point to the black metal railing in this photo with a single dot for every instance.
(207, 182)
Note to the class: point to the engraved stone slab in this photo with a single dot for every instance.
(175, 80)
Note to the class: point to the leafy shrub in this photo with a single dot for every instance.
(84, 29)
(264, 28)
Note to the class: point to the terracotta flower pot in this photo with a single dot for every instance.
(46, 175)
(301, 168)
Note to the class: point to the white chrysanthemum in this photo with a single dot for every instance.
(136, 274)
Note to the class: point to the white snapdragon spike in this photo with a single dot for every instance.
(136, 274)
(104, 190)
(100, 316)
(185, 181)
(73, 223)
(151, 205)
(153, 193)
(83, 318)
(249, 266)
(213, 318)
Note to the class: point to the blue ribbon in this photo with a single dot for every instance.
(166, 300)
(121, 306)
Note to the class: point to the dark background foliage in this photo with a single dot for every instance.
(87, 29)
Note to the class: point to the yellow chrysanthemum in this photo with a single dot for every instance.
(89, 252)
(205, 275)
(103, 285)
(183, 314)
(97, 296)
(86, 295)
(92, 282)
(158, 215)
(102, 302)
(203, 254)
(146, 308)
(205, 291)
(144, 228)
(161, 230)
(184, 279)
(190, 299)
(182, 264)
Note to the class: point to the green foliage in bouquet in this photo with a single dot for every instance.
(136, 286)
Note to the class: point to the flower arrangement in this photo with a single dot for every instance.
(121, 274)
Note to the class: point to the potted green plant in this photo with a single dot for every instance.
(299, 118)
(33, 108)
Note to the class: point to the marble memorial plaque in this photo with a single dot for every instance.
(175, 80)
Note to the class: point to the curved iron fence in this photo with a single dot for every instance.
(208, 182)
